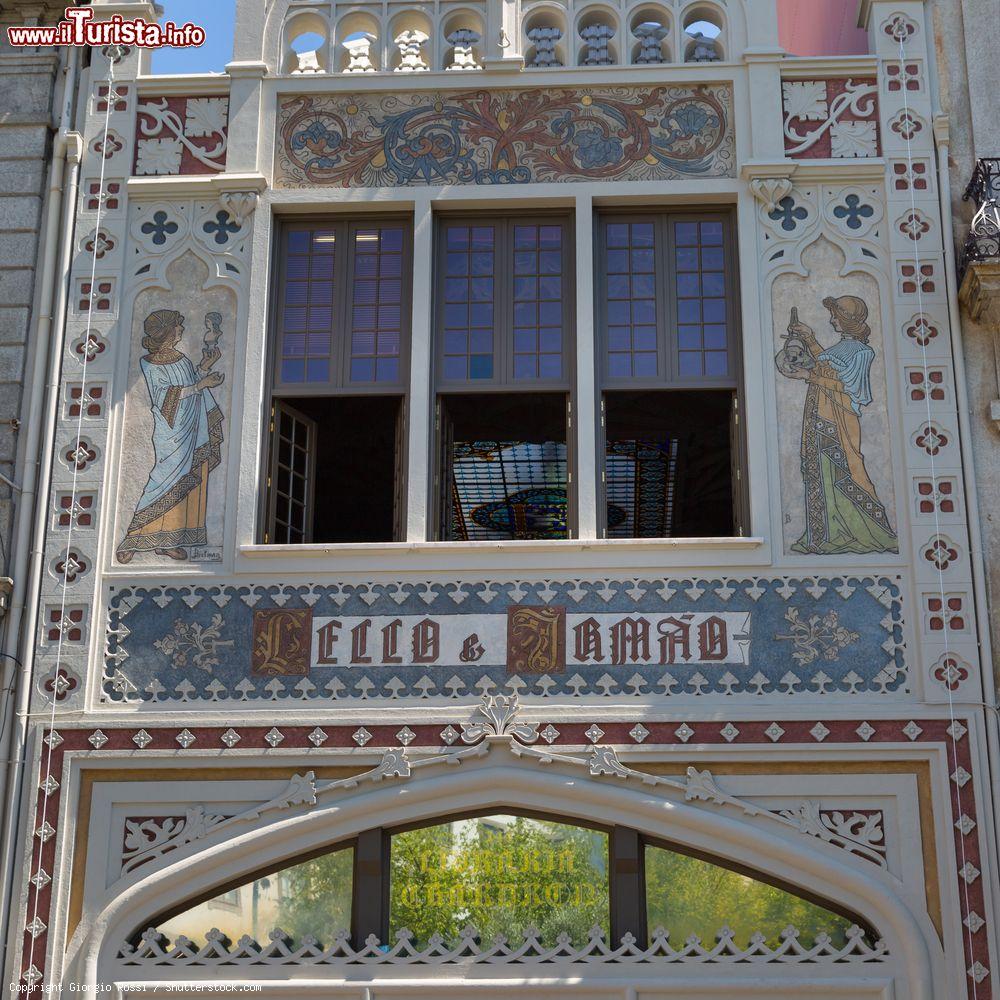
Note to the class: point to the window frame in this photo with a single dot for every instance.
(626, 874)
(668, 348)
(664, 276)
(503, 379)
(340, 358)
(340, 384)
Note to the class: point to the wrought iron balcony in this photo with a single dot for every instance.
(983, 241)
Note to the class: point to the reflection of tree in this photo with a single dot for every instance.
(687, 896)
(529, 874)
(316, 897)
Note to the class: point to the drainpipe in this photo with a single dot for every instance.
(32, 508)
(976, 549)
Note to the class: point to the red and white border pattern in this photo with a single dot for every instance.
(190, 742)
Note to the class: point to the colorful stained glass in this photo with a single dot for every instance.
(504, 490)
(641, 486)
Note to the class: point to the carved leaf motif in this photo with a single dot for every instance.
(853, 139)
(158, 156)
(805, 99)
(206, 116)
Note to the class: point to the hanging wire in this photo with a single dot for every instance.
(952, 729)
(112, 96)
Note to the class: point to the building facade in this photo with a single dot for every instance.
(548, 410)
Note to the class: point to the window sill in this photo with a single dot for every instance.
(522, 556)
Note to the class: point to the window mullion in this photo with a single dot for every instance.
(666, 295)
(340, 314)
(587, 462)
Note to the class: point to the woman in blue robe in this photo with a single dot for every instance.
(187, 444)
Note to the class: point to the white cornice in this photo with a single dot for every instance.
(810, 67)
(195, 184)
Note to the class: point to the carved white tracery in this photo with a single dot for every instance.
(544, 40)
(307, 62)
(501, 727)
(597, 37)
(462, 41)
(154, 950)
(650, 35)
(410, 44)
(359, 53)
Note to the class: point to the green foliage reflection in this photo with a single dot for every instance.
(502, 874)
(688, 896)
(317, 897)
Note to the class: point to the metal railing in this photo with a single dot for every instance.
(983, 241)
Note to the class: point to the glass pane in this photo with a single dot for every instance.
(631, 300)
(468, 315)
(311, 898)
(700, 284)
(687, 896)
(376, 316)
(502, 874)
(307, 298)
(537, 301)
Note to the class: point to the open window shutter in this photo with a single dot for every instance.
(291, 477)
(443, 476)
(602, 468)
(737, 454)
(399, 480)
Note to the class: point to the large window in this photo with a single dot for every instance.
(508, 874)
(338, 400)
(503, 449)
(669, 376)
(503, 350)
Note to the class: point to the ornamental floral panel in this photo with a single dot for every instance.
(181, 135)
(505, 137)
(835, 118)
(442, 639)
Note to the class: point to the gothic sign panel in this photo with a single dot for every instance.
(505, 137)
(544, 638)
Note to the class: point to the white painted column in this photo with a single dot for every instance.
(585, 404)
(421, 403)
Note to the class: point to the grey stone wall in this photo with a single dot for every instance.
(968, 39)
(26, 88)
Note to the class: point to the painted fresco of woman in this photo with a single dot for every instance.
(187, 442)
(843, 512)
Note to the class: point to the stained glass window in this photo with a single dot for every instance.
(630, 284)
(469, 293)
(505, 490)
(641, 483)
(700, 282)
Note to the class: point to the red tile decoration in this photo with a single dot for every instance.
(952, 736)
(835, 118)
(181, 135)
